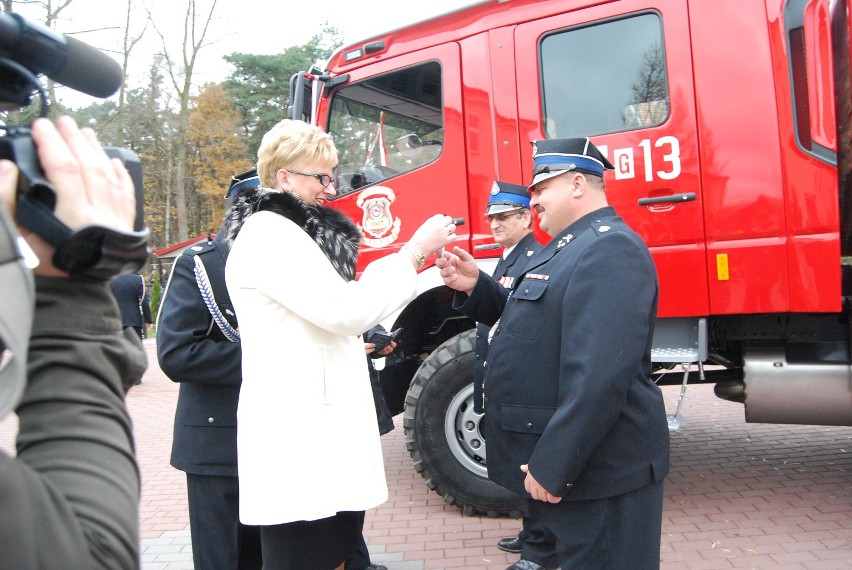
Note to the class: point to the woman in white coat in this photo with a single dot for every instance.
(306, 406)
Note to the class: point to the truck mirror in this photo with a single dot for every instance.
(300, 98)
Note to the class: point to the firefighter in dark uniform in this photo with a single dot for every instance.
(198, 346)
(510, 219)
(134, 303)
(508, 213)
(572, 415)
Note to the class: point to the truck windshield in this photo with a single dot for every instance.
(387, 125)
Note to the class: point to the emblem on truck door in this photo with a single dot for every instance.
(378, 225)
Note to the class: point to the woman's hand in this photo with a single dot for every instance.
(434, 234)
(370, 348)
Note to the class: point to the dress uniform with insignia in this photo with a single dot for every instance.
(505, 198)
(198, 347)
(568, 383)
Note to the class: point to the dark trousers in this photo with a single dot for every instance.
(604, 534)
(140, 331)
(361, 559)
(537, 545)
(322, 544)
(219, 540)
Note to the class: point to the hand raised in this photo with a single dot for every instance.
(458, 270)
(434, 234)
(90, 187)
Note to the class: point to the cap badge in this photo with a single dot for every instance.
(604, 228)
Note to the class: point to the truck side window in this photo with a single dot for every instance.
(604, 77)
(387, 125)
(811, 77)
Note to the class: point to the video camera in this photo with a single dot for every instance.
(28, 50)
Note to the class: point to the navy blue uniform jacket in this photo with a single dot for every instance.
(567, 384)
(506, 272)
(133, 300)
(192, 350)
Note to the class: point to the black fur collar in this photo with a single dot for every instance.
(335, 234)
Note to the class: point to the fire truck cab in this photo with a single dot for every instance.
(728, 123)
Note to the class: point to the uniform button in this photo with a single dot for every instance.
(526, 291)
(485, 364)
(529, 426)
(209, 420)
(569, 485)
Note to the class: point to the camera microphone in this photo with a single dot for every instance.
(64, 59)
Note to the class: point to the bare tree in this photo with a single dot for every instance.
(127, 46)
(195, 29)
(52, 10)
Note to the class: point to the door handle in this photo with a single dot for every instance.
(672, 199)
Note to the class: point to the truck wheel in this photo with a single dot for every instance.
(442, 432)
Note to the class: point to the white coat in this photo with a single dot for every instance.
(306, 408)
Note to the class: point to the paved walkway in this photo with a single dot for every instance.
(754, 496)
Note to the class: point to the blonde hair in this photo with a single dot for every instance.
(290, 145)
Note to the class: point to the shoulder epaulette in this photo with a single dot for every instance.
(199, 248)
(600, 227)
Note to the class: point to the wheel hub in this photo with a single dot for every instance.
(462, 430)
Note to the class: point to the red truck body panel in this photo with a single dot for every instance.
(761, 235)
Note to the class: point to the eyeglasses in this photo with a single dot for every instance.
(323, 179)
(502, 217)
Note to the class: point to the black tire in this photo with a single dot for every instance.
(442, 432)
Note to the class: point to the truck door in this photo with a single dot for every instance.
(398, 130)
(621, 74)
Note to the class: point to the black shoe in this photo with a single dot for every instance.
(527, 565)
(512, 544)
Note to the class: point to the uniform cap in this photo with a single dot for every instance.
(552, 157)
(241, 182)
(506, 197)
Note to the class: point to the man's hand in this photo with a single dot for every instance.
(535, 489)
(459, 270)
(90, 187)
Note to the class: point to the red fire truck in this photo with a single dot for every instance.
(729, 125)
